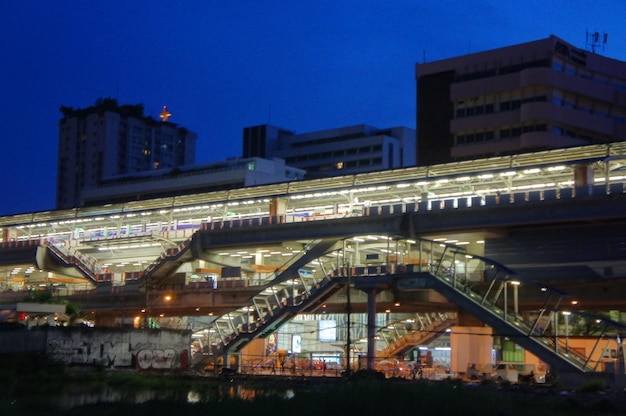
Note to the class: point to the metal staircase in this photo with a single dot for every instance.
(294, 290)
(491, 292)
(402, 336)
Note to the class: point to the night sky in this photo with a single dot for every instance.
(222, 66)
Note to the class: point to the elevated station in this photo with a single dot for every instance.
(504, 246)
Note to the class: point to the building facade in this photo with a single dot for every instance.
(194, 179)
(107, 140)
(529, 97)
(339, 151)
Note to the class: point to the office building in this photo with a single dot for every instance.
(107, 139)
(534, 96)
(232, 173)
(338, 151)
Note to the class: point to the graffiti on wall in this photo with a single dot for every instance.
(120, 350)
(108, 354)
(156, 359)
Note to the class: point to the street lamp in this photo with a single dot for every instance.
(515, 284)
(146, 310)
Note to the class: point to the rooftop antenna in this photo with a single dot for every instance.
(596, 41)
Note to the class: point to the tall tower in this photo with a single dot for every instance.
(107, 140)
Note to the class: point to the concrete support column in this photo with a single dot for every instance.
(371, 328)
(471, 345)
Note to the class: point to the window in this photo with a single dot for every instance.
(327, 330)
(618, 86)
(602, 80)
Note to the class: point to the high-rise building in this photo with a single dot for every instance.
(533, 96)
(107, 140)
(338, 151)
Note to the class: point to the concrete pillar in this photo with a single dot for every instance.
(371, 328)
(471, 345)
(278, 207)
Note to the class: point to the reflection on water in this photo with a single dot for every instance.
(78, 395)
(74, 396)
(194, 397)
(247, 393)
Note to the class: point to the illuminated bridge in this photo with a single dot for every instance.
(514, 242)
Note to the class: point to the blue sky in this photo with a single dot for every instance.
(222, 66)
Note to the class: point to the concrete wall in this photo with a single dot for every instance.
(143, 349)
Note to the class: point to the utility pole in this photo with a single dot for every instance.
(348, 311)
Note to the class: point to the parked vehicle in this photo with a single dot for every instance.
(518, 373)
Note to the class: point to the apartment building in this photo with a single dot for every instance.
(108, 139)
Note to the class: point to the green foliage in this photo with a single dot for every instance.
(72, 310)
(42, 296)
(593, 386)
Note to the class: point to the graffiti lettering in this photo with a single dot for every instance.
(156, 359)
(121, 349)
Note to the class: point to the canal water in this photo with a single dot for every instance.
(79, 395)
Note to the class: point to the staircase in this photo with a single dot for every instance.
(400, 337)
(294, 290)
(490, 292)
